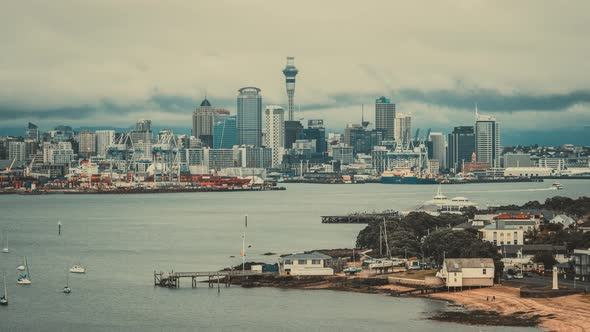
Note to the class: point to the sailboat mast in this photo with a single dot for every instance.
(5, 294)
(27, 268)
(386, 239)
(244, 244)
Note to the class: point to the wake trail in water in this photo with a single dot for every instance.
(479, 191)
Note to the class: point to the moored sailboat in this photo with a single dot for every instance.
(67, 289)
(4, 298)
(25, 278)
(5, 249)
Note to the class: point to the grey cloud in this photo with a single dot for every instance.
(487, 99)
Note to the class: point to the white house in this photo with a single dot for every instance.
(314, 263)
(503, 233)
(467, 272)
(563, 219)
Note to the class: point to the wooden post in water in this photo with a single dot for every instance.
(218, 289)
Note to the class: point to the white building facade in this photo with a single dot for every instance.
(314, 263)
(274, 132)
(104, 138)
(487, 140)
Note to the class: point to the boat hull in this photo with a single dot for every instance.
(406, 180)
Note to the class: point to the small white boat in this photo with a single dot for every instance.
(5, 249)
(22, 266)
(77, 269)
(557, 186)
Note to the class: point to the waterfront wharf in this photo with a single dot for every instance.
(172, 279)
(419, 290)
(360, 218)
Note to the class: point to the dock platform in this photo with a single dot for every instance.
(360, 218)
(172, 279)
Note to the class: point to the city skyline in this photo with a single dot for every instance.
(490, 67)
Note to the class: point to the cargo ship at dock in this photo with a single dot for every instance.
(406, 177)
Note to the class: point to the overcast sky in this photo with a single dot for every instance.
(111, 62)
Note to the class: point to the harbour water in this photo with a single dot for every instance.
(122, 239)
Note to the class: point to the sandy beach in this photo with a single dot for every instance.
(568, 313)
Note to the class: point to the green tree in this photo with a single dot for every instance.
(546, 258)
(460, 244)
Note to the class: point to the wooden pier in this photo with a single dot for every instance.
(172, 279)
(360, 218)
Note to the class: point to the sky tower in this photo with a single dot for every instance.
(290, 72)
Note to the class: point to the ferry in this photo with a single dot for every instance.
(442, 204)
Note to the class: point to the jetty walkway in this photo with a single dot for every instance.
(172, 279)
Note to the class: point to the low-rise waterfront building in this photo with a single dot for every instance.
(314, 263)
(528, 171)
(468, 272)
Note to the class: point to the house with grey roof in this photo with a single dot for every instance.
(564, 220)
(312, 263)
(467, 272)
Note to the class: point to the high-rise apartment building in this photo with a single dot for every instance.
(487, 140)
(87, 145)
(104, 138)
(17, 151)
(402, 128)
(250, 117)
(203, 123)
(274, 129)
(385, 118)
(290, 72)
(461, 147)
(439, 151)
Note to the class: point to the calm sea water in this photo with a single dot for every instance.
(122, 239)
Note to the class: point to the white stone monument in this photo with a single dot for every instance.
(555, 286)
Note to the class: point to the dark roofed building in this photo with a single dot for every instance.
(530, 249)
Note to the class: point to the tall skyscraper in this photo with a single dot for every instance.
(32, 131)
(203, 119)
(461, 147)
(142, 132)
(290, 72)
(225, 131)
(87, 143)
(402, 128)
(385, 118)
(439, 151)
(316, 131)
(293, 131)
(487, 139)
(104, 138)
(250, 117)
(274, 128)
